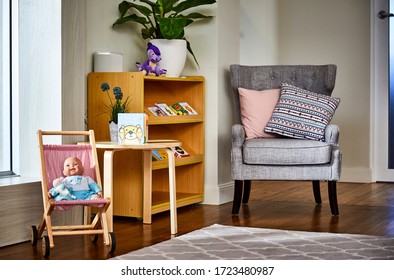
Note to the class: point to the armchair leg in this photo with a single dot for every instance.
(332, 196)
(247, 187)
(238, 186)
(316, 191)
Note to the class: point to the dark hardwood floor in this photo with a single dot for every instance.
(364, 209)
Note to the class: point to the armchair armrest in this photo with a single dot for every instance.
(238, 138)
(238, 135)
(331, 134)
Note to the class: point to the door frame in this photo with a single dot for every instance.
(379, 94)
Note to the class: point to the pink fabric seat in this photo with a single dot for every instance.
(54, 159)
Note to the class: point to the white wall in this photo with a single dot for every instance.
(320, 32)
(259, 34)
(228, 52)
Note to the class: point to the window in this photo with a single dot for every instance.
(30, 81)
(5, 88)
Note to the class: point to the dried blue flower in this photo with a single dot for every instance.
(114, 108)
(118, 93)
(105, 87)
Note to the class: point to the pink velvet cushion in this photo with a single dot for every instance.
(256, 110)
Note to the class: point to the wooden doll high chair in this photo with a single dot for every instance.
(52, 159)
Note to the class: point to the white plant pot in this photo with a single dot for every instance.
(173, 55)
(113, 131)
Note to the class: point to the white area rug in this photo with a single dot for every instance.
(228, 242)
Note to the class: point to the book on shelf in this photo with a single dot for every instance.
(179, 110)
(156, 155)
(155, 111)
(132, 128)
(163, 154)
(186, 106)
(165, 109)
(180, 152)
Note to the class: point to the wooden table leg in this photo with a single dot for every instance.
(172, 186)
(108, 185)
(147, 207)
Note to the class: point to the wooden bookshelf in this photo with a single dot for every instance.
(143, 92)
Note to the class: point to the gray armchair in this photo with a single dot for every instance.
(284, 158)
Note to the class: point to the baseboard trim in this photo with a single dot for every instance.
(216, 195)
(356, 175)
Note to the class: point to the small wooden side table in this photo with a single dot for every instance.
(112, 147)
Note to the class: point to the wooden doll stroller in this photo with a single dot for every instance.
(52, 159)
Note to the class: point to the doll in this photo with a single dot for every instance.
(80, 186)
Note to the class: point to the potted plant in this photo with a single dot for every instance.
(114, 108)
(162, 19)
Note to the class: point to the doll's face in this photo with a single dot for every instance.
(72, 166)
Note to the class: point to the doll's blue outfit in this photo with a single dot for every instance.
(82, 187)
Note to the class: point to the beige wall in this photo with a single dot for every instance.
(320, 32)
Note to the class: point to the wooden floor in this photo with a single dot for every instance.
(364, 209)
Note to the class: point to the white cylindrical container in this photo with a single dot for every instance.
(108, 62)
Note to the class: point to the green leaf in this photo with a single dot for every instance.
(171, 28)
(126, 6)
(187, 4)
(147, 33)
(133, 18)
(189, 48)
(194, 16)
(150, 3)
(167, 5)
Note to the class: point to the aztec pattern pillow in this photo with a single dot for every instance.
(302, 114)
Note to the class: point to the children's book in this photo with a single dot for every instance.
(163, 154)
(156, 155)
(179, 152)
(165, 109)
(155, 111)
(179, 110)
(188, 108)
(132, 128)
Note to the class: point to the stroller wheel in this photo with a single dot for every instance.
(46, 247)
(112, 242)
(33, 235)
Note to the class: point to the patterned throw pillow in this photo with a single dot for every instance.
(302, 114)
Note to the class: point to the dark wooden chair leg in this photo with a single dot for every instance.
(246, 195)
(238, 186)
(316, 191)
(332, 196)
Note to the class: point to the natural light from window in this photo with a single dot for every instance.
(5, 93)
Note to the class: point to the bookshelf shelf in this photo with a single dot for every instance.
(145, 91)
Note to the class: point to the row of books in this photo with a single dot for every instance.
(180, 108)
(162, 154)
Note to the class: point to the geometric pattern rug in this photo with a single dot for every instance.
(219, 242)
